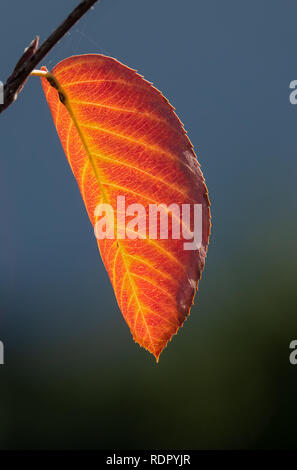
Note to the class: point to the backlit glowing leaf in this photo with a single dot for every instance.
(122, 138)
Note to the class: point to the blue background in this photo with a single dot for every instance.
(73, 378)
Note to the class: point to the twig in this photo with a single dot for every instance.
(32, 56)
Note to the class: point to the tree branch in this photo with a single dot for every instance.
(32, 56)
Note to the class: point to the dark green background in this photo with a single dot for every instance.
(73, 377)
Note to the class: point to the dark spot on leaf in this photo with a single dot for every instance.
(62, 97)
(52, 82)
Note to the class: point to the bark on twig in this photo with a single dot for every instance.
(32, 56)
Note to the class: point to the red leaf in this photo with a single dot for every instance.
(122, 137)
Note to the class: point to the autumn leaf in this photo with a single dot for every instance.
(122, 138)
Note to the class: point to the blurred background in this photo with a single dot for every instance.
(73, 377)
